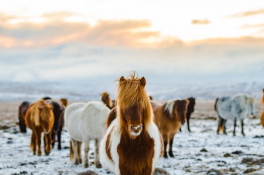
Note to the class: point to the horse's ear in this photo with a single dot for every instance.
(143, 81)
(121, 79)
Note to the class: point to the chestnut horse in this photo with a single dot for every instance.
(132, 144)
(107, 100)
(168, 118)
(262, 115)
(22, 109)
(39, 118)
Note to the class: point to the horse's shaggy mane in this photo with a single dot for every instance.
(168, 108)
(131, 92)
(35, 112)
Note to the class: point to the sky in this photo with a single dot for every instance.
(164, 40)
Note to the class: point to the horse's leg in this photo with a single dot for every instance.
(170, 147)
(224, 123)
(188, 122)
(96, 158)
(79, 151)
(86, 162)
(59, 139)
(219, 124)
(33, 142)
(47, 143)
(234, 131)
(165, 139)
(53, 137)
(180, 129)
(38, 142)
(242, 126)
(75, 151)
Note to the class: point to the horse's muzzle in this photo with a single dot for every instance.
(135, 131)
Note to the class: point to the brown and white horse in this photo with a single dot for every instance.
(105, 97)
(39, 118)
(262, 115)
(168, 118)
(132, 144)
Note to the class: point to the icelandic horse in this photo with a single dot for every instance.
(22, 109)
(262, 115)
(132, 144)
(58, 111)
(233, 107)
(105, 97)
(85, 122)
(168, 118)
(40, 118)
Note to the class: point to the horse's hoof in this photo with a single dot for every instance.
(39, 154)
(243, 134)
(165, 156)
(76, 162)
(86, 165)
(80, 160)
(59, 147)
(171, 155)
(98, 165)
(46, 154)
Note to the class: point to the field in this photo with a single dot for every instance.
(195, 153)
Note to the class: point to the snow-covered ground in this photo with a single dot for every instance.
(221, 152)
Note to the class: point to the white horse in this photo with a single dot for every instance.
(235, 107)
(84, 122)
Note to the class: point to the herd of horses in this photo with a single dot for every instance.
(131, 133)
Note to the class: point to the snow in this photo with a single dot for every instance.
(16, 157)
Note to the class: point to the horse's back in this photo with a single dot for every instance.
(94, 118)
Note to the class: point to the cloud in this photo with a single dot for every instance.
(248, 13)
(57, 30)
(253, 26)
(199, 21)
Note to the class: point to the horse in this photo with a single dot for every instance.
(58, 111)
(190, 110)
(39, 118)
(22, 109)
(132, 143)
(169, 117)
(84, 122)
(107, 100)
(233, 107)
(262, 115)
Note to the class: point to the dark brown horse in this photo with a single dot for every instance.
(169, 117)
(22, 109)
(190, 110)
(58, 111)
(39, 118)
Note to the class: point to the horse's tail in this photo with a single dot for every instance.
(215, 104)
(262, 118)
(71, 151)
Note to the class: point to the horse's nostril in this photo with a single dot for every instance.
(131, 127)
